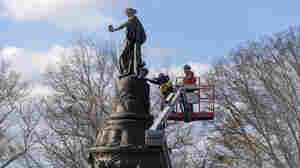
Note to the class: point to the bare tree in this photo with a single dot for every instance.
(83, 85)
(25, 144)
(258, 89)
(16, 123)
(189, 149)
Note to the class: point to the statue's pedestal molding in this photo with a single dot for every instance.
(127, 157)
(121, 143)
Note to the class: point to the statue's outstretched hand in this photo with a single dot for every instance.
(110, 28)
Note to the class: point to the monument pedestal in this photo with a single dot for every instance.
(121, 143)
(128, 157)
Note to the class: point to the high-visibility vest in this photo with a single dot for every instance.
(165, 87)
(189, 78)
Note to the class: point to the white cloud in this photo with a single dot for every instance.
(32, 63)
(69, 14)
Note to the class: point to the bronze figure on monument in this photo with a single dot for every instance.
(130, 60)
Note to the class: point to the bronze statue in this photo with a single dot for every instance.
(130, 60)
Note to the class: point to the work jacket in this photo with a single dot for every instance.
(189, 78)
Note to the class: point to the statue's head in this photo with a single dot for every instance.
(130, 12)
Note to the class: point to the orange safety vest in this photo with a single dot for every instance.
(189, 78)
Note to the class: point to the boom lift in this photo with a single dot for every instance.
(201, 96)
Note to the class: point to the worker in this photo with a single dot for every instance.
(165, 86)
(189, 79)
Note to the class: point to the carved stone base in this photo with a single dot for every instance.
(130, 117)
(121, 144)
(123, 133)
(128, 157)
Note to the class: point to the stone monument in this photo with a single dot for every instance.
(121, 143)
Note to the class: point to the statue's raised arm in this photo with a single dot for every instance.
(130, 60)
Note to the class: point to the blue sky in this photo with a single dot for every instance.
(178, 31)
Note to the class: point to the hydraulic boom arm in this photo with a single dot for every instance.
(162, 118)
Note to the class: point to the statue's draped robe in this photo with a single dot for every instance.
(130, 56)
